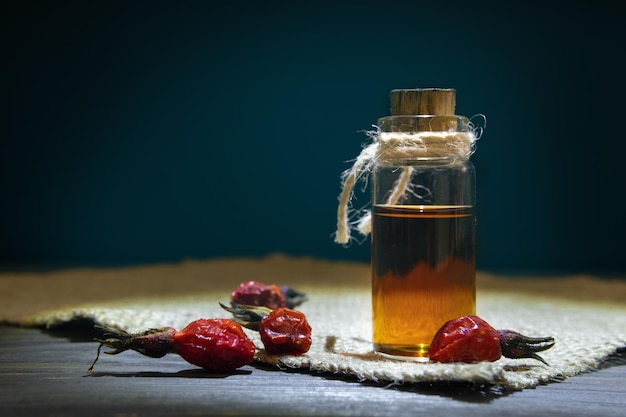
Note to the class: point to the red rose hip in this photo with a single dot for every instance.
(285, 331)
(256, 293)
(282, 330)
(467, 339)
(470, 339)
(217, 345)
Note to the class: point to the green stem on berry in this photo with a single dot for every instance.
(516, 346)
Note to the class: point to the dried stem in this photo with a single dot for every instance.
(516, 346)
(154, 343)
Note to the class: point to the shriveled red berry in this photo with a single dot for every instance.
(468, 339)
(285, 331)
(217, 345)
(256, 293)
(282, 330)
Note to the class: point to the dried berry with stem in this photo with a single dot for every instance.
(256, 293)
(470, 339)
(217, 345)
(282, 330)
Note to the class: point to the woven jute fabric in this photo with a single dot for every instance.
(586, 315)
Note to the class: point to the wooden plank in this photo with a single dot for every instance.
(45, 374)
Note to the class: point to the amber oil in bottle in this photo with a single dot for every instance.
(423, 225)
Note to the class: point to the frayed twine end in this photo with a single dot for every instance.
(397, 147)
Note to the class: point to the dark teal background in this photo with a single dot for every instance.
(141, 132)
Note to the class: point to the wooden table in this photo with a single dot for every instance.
(44, 374)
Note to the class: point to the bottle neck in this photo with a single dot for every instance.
(399, 148)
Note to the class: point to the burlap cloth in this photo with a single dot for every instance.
(587, 316)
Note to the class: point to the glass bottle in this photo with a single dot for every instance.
(423, 222)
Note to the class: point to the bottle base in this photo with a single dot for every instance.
(415, 353)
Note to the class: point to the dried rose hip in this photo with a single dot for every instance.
(255, 293)
(282, 330)
(217, 345)
(470, 339)
(285, 331)
(467, 339)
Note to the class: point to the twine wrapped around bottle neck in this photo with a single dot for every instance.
(396, 148)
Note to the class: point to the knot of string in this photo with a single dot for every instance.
(388, 148)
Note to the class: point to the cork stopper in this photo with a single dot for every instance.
(422, 101)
